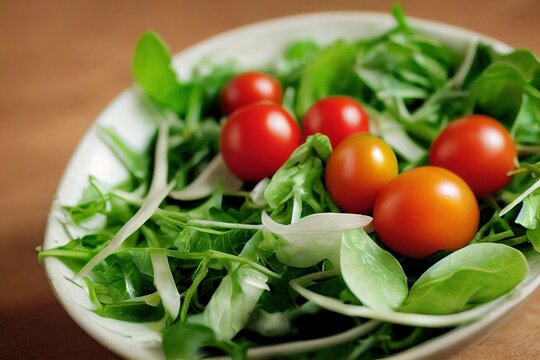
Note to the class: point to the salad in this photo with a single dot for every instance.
(350, 201)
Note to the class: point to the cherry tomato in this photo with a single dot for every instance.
(477, 148)
(357, 170)
(249, 88)
(257, 139)
(425, 210)
(336, 117)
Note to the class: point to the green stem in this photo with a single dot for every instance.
(364, 346)
(212, 254)
(406, 342)
(516, 241)
(527, 149)
(73, 254)
(502, 235)
(202, 271)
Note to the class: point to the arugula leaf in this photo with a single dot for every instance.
(233, 301)
(194, 240)
(137, 164)
(131, 311)
(92, 202)
(76, 253)
(198, 145)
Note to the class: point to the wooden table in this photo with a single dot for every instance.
(63, 61)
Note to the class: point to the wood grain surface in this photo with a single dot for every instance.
(62, 62)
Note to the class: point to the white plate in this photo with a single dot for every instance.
(253, 46)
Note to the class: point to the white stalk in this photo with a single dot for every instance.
(165, 285)
(158, 191)
(520, 198)
(148, 208)
(410, 319)
(204, 184)
(305, 346)
(225, 225)
(463, 70)
(313, 238)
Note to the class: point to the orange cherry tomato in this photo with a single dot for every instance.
(357, 170)
(477, 148)
(425, 210)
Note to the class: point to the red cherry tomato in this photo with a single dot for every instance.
(357, 170)
(257, 139)
(477, 148)
(336, 117)
(249, 88)
(425, 210)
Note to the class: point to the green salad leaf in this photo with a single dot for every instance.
(297, 189)
(329, 73)
(474, 275)
(373, 275)
(152, 69)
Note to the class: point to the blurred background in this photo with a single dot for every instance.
(62, 62)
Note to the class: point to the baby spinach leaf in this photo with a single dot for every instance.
(524, 61)
(152, 70)
(498, 91)
(331, 72)
(372, 274)
(534, 237)
(296, 57)
(473, 275)
(526, 127)
(184, 341)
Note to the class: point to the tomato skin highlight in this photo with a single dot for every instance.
(336, 117)
(249, 88)
(359, 167)
(257, 139)
(425, 210)
(477, 148)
